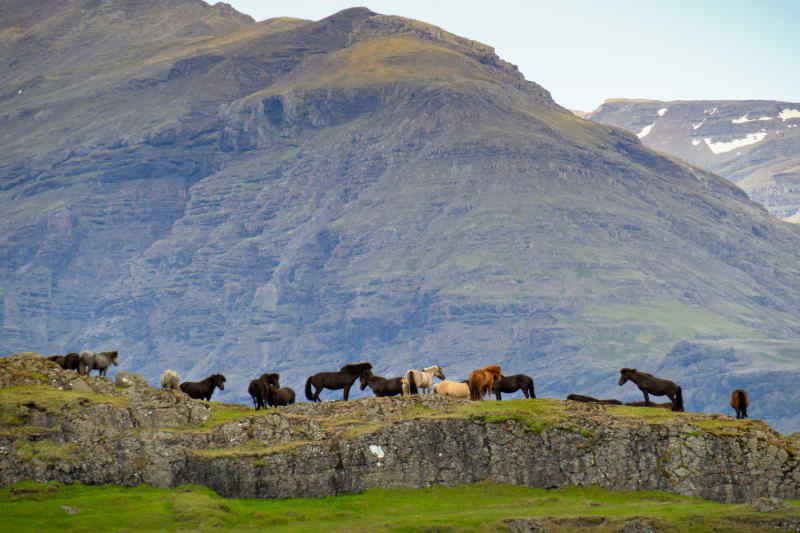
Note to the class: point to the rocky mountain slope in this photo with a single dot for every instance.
(210, 194)
(754, 143)
(49, 430)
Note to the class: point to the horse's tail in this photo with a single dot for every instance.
(412, 385)
(530, 389)
(678, 400)
(309, 394)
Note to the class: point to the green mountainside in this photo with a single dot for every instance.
(210, 194)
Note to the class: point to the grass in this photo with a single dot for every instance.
(32, 507)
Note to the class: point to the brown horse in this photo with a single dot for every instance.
(740, 402)
(203, 389)
(514, 383)
(57, 359)
(665, 405)
(72, 361)
(483, 380)
(276, 396)
(650, 384)
(343, 379)
(382, 386)
(589, 399)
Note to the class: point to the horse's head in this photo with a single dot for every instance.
(219, 381)
(625, 374)
(365, 378)
(112, 356)
(273, 379)
(436, 370)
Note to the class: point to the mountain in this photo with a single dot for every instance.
(755, 143)
(211, 194)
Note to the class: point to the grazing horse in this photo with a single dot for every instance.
(455, 389)
(276, 396)
(380, 385)
(416, 379)
(202, 390)
(513, 384)
(665, 405)
(483, 380)
(650, 384)
(72, 361)
(258, 392)
(91, 360)
(740, 402)
(343, 379)
(589, 399)
(170, 379)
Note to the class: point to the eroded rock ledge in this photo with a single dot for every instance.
(55, 425)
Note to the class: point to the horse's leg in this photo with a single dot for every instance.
(646, 397)
(346, 391)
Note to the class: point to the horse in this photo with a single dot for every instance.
(271, 379)
(343, 379)
(413, 380)
(455, 389)
(513, 384)
(203, 389)
(589, 399)
(57, 359)
(91, 360)
(276, 396)
(650, 384)
(72, 361)
(258, 392)
(483, 380)
(740, 402)
(380, 385)
(170, 379)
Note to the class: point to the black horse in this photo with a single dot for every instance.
(258, 392)
(203, 389)
(513, 384)
(343, 379)
(276, 396)
(380, 385)
(72, 361)
(590, 399)
(650, 384)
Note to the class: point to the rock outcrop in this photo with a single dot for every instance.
(137, 434)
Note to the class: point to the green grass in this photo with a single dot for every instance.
(31, 507)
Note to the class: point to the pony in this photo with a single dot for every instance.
(589, 399)
(740, 402)
(271, 379)
(276, 396)
(650, 384)
(91, 360)
(170, 379)
(513, 384)
(380, 385)
(57, 359)
(72, 361)
(343, 379)
(416, 379)
(483, 380)
(203, 389)
(258, 392)
(665, 405)
(455, 389)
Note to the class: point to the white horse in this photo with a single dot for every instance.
(415, 379)
(170, 379)
(456, 389)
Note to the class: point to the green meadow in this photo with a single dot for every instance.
(484, 507)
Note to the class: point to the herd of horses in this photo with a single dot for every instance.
(266, 391)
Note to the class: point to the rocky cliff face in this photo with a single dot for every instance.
(754, 143)
(217, 195)
(49, 430)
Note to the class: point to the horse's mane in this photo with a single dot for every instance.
(356, 368)
(494, 369)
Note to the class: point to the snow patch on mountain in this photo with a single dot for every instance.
(645, 131)
(743, 119)
(788, 113)
(662, 111)
(727, 146)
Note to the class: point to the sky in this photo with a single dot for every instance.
(584, 51)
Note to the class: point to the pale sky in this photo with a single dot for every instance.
(584, 51)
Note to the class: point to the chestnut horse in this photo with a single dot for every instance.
(483, 380)
(650, 384)
(740, 402)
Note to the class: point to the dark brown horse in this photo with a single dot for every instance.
(650, 384)
(665, 405)
(740, 402)
(203, 389)
(72, 361)
(509, 384)
(57, 359)
(481, 381)
(276, 396)
(589, 399)
(258, 392)
(380, 385)
(343, 379)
